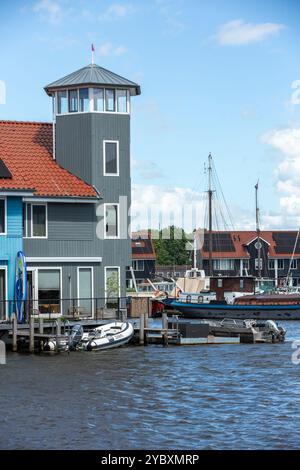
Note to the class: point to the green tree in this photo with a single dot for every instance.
(170, 247)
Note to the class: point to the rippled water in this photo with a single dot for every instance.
(199, 397)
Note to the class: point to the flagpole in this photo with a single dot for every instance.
(93, 50)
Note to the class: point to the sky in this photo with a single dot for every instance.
(219, 76)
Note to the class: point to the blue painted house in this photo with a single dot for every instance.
(11, 241)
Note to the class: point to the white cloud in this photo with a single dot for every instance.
(49, 10)
(117, 11)
(108, 49)
(238, 32)
(287, 142)
(154, 206)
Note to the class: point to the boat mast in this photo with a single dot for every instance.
(195, 251)
(210, 195)
(292, 259)
(258, 231)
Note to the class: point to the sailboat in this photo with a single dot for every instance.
(277, 306)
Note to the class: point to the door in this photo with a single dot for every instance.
(85, 290)
(2, 294)
(32, 294)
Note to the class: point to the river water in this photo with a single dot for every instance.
(189, 397)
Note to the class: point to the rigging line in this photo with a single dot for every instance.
(220, 204)
(223, 196)
(292, 258)
(221, 211)
(220, 208)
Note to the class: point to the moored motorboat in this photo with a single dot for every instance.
(107, 336)
(263, 307)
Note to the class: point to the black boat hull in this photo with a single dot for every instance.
(239, 312)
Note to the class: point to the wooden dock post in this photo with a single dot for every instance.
(31, 333)
(164, 320)
(15, 332)
(146, 318)
(142, 329)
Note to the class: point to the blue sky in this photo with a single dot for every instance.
(216, 76)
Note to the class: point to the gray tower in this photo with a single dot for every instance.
(91, 110)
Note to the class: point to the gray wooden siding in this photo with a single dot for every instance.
(72, 227)
(73, 144)
(71, 221)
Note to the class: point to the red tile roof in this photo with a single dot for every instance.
(26, 150)
(240, 239)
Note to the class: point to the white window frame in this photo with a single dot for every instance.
(3, 234)
(109, 237)
(245, 263)
(78, 286)
(56, 102)
(91, 108)
(3, 267)
(138, 261)
(89, 100)
(31, 223)
(127, 93)
(105, 279)
(295, 262)
(269, 267)
(281, 260)
(118, 157)
(35, 273)
(68, 93)
(217, 264)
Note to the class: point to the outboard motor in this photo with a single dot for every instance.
(272, 326)
(277, 332)
(75, 336)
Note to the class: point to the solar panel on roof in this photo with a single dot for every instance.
(285, 242)
(220, 242)
(4, 171)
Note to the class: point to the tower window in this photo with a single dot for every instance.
(109, 100)
(62, 102)
(84, 102)
(98, 99)
(122, 101)
(111, 157)
(73, 101)
(111, 221)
